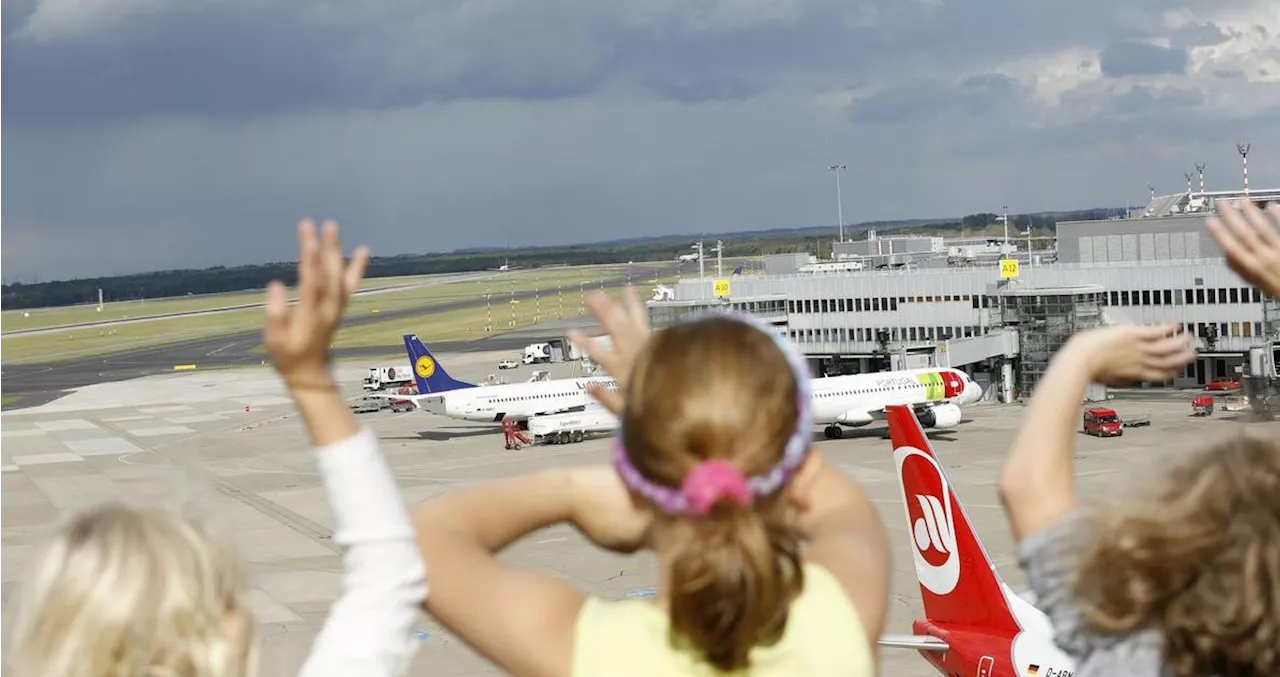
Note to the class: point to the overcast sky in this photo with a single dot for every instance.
(150, 134)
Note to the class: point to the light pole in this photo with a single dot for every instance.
(1004, 216)
(839, 199)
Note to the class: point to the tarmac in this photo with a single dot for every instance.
(228, 442)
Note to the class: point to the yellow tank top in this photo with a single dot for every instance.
(628, 638)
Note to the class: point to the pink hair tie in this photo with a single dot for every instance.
(712, 480)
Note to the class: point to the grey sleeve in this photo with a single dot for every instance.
(1049, 558)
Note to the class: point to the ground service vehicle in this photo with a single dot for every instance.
(1136, 421)
(1202, 405)
(381, 378)
(572, 426)
(1102, 422)
(508, 364)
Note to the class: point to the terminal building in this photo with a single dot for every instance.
(914, 301)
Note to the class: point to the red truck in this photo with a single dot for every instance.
(1102, 422)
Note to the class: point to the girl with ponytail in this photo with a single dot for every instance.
(771, 562)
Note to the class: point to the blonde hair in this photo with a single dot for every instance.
(719, 389)
(131, 591)
(1198, 560)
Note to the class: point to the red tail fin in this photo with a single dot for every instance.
(957, 580)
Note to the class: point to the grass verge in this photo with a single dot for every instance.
(453, 324)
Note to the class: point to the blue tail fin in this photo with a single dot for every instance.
(428, 373)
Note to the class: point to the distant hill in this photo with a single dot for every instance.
(218, 279)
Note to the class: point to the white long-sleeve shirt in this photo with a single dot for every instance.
(369, 632)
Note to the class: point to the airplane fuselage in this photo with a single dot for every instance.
(859, 399)
(517, 400)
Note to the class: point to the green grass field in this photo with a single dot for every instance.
(471, 323)
(40, 318)
(91, 341)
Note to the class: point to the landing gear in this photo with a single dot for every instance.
(833, 432)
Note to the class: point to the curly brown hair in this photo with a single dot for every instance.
(1198, 560)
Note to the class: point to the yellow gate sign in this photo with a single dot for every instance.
(1008, 268)
(722, 288)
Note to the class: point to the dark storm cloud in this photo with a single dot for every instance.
(156, 133)
(1139, 58)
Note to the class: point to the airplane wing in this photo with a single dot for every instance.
(917, 642)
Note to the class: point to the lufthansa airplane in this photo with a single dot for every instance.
(440, 393)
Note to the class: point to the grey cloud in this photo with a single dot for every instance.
(1199, 35)
(1142, 98)
(1229, 74)
(923, 98)
(237, 60)
(199, 132)
(1139, 58)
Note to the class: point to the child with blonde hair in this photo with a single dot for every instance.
(134, 590)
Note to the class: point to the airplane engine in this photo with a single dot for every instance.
(940, 416)
(855, 417)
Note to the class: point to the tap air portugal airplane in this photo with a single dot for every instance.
(974, 625)
(440, 393)
(859, 399)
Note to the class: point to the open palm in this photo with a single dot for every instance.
(627, 325)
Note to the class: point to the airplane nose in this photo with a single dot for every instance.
(972, 392)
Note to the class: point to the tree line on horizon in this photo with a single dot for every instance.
(224, 279)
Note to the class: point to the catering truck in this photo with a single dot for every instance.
(573, 426)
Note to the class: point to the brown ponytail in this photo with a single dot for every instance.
(733, 577)
(718, 389)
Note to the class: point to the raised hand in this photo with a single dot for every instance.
(1131, 353)
(298, 339)
(1250, 238)
(627, 324)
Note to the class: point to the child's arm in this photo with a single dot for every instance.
(1038, 481)
(523, 621)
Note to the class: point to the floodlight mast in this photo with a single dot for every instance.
(1200, 169)
(839, 199)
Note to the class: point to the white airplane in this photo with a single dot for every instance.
(859, 399)
(505, 267)
(934, 394)
(440, 393)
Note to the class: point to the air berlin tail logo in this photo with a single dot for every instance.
(927, 501)
(931, 530)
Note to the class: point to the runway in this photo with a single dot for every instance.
(41, 383)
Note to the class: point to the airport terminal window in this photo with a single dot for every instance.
(1257, 329)
(1222, 296)
(1189, 296)
(1146, 297)
(1235, 295)
(1200, 296)
(1246, 329)
(893, 304)
(1235, 329)
(1213, 295)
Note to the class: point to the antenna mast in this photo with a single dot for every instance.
(1200, 168)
